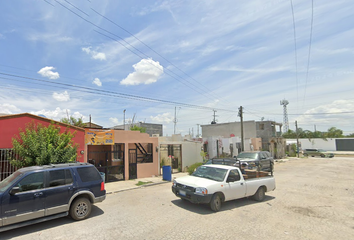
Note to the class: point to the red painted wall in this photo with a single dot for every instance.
(9, 127)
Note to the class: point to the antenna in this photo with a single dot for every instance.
(214, 121)
(285, 113)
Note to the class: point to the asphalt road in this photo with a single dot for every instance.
(313, 200)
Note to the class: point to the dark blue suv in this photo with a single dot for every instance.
(40, 193)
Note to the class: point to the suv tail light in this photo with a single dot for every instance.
(102, 186)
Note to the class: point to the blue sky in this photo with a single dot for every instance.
(97, 58)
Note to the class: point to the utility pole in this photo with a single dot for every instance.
(240, 114)
(297, 140)
(175, 121)
(198, 130)
(192, 132)
(124, 119)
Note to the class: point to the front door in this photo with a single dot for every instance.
(27, 204)
(236, 189)
(133, 169)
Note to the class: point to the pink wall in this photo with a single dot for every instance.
(10, 125)
(131, 137)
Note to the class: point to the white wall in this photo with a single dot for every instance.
(329, 145)
(191, 153)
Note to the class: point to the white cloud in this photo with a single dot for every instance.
(339, 111)
(147, 71)
(95, 55)
(61, 97)
(97, 81)
(9, 108)
(114, 121)
(47, 72)
(58, 114)
(162, 118)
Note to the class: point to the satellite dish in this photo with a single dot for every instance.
(41, 115)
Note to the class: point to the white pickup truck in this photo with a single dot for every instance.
(214, 184)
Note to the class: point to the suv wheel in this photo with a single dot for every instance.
(80, 209)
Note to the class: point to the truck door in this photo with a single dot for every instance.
(27, 203)
(235, 187)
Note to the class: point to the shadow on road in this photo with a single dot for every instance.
(59, 222)
(204, 209)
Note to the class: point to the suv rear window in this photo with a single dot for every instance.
(88, 174)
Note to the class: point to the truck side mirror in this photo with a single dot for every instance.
(231, 179)
(14, 190)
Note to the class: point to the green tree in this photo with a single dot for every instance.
(40, 145)
(289, 134)
(136, 128)
(333, 132)
(73, 121)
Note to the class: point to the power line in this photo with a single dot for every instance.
(309, 54)
(113, 94)
(93, 24)
(296, 67)
(148, 47)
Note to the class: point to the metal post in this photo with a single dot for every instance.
(240, 114)
(124, 119)
(297, 140)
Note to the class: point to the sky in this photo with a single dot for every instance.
(178, 63)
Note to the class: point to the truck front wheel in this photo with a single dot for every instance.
(259, 195)
(215, 203)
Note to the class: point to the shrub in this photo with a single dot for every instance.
(192, 167)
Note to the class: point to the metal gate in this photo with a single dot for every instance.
(6, 169)
(111, 163)
(345, 144)
(133, 166)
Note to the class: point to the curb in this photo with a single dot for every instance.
(136, 187)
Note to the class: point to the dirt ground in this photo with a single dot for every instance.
(315, 197)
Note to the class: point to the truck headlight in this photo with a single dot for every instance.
(201, 191)
(174, 183)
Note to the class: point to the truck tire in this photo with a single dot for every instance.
(259, 195)
(215, 203)
(80, 209)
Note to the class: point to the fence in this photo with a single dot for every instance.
(6, 169)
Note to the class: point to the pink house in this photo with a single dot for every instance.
(122, 155)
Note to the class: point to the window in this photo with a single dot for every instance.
(68, 177)
(88, 174)
(261, 126)
(31, 182)
(234, 174)
(60, 177)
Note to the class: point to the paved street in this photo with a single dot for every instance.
(313, 200)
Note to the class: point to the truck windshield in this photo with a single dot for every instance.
(216, 174)
(248, 155)
(7, 182)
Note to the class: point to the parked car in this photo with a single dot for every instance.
(317, 152)
(214, 184)
(261, 160)
(40, 193)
